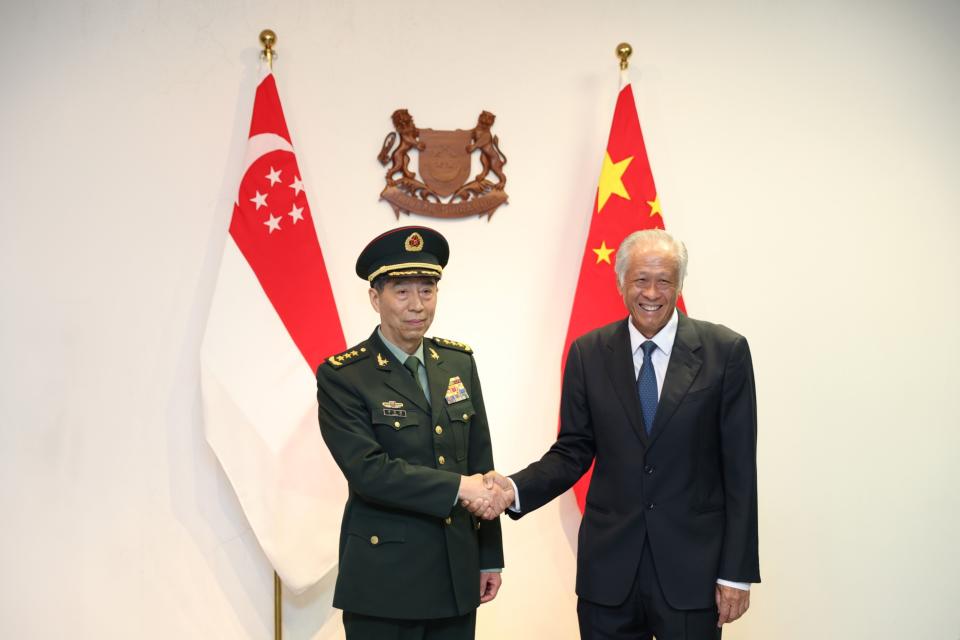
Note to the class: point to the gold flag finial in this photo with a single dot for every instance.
(268, 38)
(624, 51)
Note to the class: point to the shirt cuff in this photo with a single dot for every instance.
(500, 570)
(743, 586)
(515, 507)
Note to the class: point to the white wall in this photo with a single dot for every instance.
(806, 152)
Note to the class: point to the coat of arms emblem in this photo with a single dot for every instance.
(444, 160)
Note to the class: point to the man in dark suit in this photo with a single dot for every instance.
(666, 404)
(404, 419)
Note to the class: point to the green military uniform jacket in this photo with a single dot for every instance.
(407, 550)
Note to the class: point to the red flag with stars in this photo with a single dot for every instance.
(272, 320)
(626, 201)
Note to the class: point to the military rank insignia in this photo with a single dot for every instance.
(455, 391)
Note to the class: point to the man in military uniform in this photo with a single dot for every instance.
(404, 419)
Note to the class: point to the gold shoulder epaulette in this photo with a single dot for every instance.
(453, 344)
(349, 356)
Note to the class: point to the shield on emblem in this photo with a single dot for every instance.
(444, 161)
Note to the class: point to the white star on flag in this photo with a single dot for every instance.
(297, 186)
(296, 213)
(260, 199)
(273, 176)
(273, 222)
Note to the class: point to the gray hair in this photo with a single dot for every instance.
(648, 239)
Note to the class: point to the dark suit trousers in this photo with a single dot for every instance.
(361, 627)
(645, 614)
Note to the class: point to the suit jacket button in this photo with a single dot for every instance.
(442, 460)
(448, 520)
(438, 429)
(650, 507)
(396, 425)
(374, 540)
(648, 469)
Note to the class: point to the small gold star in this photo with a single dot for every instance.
(655, 207)
(603, 253)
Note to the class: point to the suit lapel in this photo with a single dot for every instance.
(397, 377)
(619, 365)
(684, 364)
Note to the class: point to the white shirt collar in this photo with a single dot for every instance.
(664, 338)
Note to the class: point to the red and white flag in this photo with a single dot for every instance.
(272, 321)
(627, 201)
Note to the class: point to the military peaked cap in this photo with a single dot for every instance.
(407, 252)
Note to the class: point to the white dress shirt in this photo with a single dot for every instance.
(661, 355)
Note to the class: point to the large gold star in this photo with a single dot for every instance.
(611, 180)
(603, 253)
(655, 207)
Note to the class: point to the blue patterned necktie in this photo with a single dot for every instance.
(647, 386)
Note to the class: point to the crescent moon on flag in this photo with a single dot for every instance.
(262, 144)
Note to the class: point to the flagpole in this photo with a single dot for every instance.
(268, 39)
(624, 51)
(277, 609)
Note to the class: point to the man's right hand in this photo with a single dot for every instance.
(499, 495)
(474, 491)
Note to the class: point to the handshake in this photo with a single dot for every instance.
(486, 496)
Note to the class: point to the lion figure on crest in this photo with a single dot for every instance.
(409, 139)
(491, 158)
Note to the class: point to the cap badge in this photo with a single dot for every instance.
(414, 242)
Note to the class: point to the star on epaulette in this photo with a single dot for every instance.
(349, 356)
(453, 344)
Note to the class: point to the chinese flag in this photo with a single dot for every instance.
(627, 201)
(272, 321)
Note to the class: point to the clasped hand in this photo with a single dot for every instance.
(486, 496)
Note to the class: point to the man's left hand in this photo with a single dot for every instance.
(731, 603)
(489, 585)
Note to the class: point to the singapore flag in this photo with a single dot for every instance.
(272, 321)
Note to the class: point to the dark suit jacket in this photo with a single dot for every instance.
(690, 488)
(406, 550)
